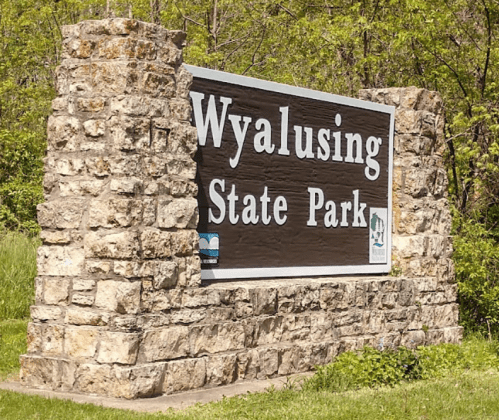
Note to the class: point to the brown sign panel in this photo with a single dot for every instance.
(292, 182)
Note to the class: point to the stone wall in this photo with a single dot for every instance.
(120, 309)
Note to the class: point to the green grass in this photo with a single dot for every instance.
(12, 344)
(17, 273)
(472, 395)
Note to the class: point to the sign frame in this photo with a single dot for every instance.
(305, 271)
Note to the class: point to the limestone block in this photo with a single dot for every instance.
(183, 142)
(164, 344)
(184, 82)
(408, 246)
(321, 326)
(183, 375)
(290, 356)
(81, 342)
(184, 242)
(61, 214)
(165, 275)
(40, 372)
(128, 269)
(247, 364)
(268, 330)
(179, 213)
(130, 185)
(116, 212)
(96, 379)
(117, 347)
(45, 313)
(221, 369)
(94, 128)
(117, 245)
(118, 296)
(98, 166)
(83, 285)
(193, 298)
(138, 106)
(66, 167)
(34, 337)
(77, 48)
(183, 167)
(155, 166)
(56, 291)
(182, 187)
(130, 134)
(268, 359)
(412, 339)
(216, 338)
(52, 341)
(264, 301)
(189, 316)
(98, 267)
(80, 316)
(81, 188)
(94, 104)
(181, 109)
(139, 381)
(156, 244)
(82, 299)
(113, 78)
(295, 328)
(158, 81)
(58, 237)
(63, 133)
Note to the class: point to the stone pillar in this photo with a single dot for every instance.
(421, 245)
(120, 211)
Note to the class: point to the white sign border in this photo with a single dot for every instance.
(268, 272)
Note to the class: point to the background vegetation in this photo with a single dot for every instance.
(336, 46)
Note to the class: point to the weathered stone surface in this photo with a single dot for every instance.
(81, 342)
(221, 369)
(118, 296)
(56, 291)
(216, 338)
(82, 299)
(80, 316)
(61, 214)
(64, 133)
(81, 188)
(156, 244)
(58, 237)
(164, 344)
(116, 347)
(115, 212)
(183, 375)
(178, 213)
(45, 313)
(117, 245)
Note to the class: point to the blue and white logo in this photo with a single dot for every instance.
(209, 244)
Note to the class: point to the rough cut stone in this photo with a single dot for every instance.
(120, 307)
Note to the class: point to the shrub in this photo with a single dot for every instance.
(21, 174)
(476, 257)
(370, 367)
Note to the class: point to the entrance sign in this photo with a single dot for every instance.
(292, 182)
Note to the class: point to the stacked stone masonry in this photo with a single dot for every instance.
(120, 308)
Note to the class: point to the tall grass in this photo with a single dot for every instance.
(17, 274)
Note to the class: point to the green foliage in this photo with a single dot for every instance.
(21, 174)
(371, 368)
(17, 273)
(476, 256)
